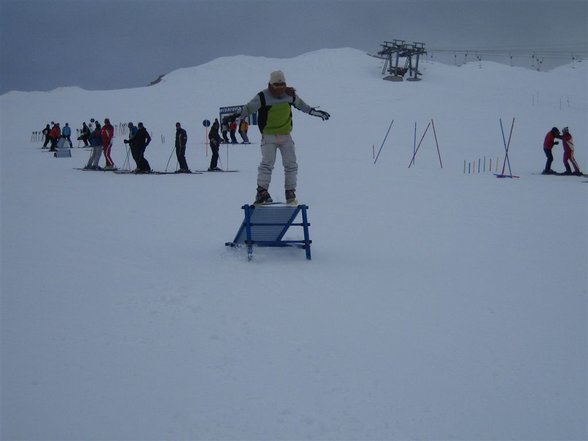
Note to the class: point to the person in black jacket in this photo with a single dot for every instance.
(85, 134)
(46, 131)
(215, 141)
(141, 141)
(181, 139)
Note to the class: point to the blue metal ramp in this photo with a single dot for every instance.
(266, 225)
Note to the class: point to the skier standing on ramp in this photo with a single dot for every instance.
(275, 124)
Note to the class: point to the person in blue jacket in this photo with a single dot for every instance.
(66, 133)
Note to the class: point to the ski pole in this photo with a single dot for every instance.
(169, 159)
(127, 163)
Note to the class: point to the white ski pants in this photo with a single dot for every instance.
(269, 146)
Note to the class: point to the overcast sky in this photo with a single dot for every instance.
(108, 44)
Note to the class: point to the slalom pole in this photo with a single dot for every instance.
(206, 141)
(378, 155)
(508, 145)
(437, 144)
(419, 146)
(414, 141)
(227, 157)
(503, 143)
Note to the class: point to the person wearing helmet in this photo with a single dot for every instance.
(568, 156)
(548, 143)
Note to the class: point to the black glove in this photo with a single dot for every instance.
(321, 114)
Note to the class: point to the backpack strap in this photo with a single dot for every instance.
(262, 99)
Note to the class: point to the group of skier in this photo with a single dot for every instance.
(229, 126)
(568, 153)
(54, 134)
(100, 140)
(274, 107)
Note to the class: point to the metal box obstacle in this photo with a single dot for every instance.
(266, 225)
(62, 151)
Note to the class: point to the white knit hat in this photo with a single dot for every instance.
(277, 76)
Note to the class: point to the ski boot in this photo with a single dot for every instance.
(262, 197)
(291, 197)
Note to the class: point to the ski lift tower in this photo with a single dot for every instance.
(392, 51)
(391, 54)
(415, 50)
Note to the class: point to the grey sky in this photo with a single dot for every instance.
(108, 44)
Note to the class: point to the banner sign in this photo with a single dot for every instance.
(225, 112)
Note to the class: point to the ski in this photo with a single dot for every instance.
(95, 169)
(128, 172)
(153, 172)
(216, 171)
(131, 172)
(584, 175)
(506, 176)
(193, 172)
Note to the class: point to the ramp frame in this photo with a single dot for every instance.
(266, 225)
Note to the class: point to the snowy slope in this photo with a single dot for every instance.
(437, 305)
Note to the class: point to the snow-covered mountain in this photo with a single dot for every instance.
(438, 304)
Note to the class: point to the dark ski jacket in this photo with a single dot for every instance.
(549, 141)
(181, 137)
(213, 135)
(142, 138)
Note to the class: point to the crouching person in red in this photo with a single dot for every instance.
(568, 156)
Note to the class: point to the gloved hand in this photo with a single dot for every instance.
(321, 114)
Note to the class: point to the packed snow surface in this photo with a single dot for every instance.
(440, 302)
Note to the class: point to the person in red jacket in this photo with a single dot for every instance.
(54, 135)
(107, 133)
(233, 130)
(568, 156)
(548, 143)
